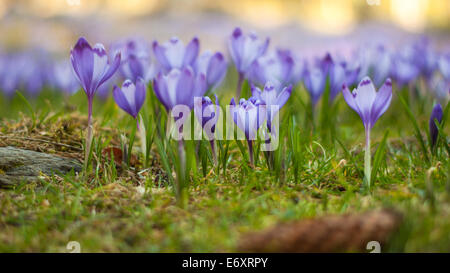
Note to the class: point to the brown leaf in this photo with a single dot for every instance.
(118, 154)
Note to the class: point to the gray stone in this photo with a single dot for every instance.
(18, 165)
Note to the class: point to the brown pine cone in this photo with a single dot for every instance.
(342, 233)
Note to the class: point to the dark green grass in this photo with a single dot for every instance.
(317, 171)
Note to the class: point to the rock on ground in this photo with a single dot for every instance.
(17, 165)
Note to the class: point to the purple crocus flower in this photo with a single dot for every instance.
(214, 66)
(92, 69)
(179, 87)
(270, 97)
(369, 105)
(206, 111)
(340, 73)
(91, 66)
(404, 70)
(173, 54)
(436, 114)
(244, 50)
(276, 67)
(376, 62)
(207, 115)
(314, 79)
(135, 61)
(248, 115)
(130, 97)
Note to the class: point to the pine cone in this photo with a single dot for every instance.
(341, 233)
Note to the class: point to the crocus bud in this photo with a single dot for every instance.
(436, 114)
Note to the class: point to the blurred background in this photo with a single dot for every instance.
(307, 25)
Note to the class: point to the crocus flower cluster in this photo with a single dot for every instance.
(184, 76)
(136, 60)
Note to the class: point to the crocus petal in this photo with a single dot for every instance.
(160, 55)
(99, 66)
(436, 114)
(365, 97)
(382, 102)
(349, 97)
(200, 86)
(175, 51)
(216, 70)
(256, 92)
(235, 46)
(161, 90)
(82, 62)
(191, 52)
(140, 94)
(122, 101)
(284, 96)
(269, 94)
(111, 69)
(185, 88)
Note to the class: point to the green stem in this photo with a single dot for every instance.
(143, 135)
(239, 85)
(367, 167)
(182, 171)
(89, 136)
(250, 151)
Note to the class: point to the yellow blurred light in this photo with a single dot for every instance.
(333, 17)
(410, 14)
(131, 7)
(262, 13)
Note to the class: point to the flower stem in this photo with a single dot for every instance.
(250, 151)
(239, 85)
(367, 167)
(182, 170)
(89, 135)
(143, 135)
(213, 151)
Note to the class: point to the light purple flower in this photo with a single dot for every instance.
(340, 73)
(314, 79)
(91, 65)
(135, 61)
(207, 113)
(375, 62)
(245, 49)
(368, 103)
(130, 97)
(214, 66)
(64, 77)
(436, 114)
(179, 87)
(173, 54)
(270, 97)
(275, 67)
(248, 115)
(404, 71)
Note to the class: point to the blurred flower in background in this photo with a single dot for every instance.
(361, 36)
